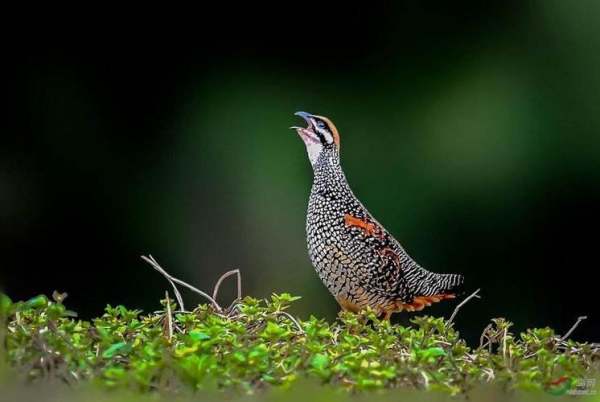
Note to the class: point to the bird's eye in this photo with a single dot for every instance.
(320, 124)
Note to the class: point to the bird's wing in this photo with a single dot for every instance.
(398, 273)
(384, 258)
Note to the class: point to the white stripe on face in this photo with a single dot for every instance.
(321, 127)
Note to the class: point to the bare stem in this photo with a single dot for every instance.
(157, 267)
(169, 318)
(569, 332)
(225, 276)
(288, 315)
(150, 260)
(474, 294)
(504, 345)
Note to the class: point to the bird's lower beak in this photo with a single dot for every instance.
(306, 133)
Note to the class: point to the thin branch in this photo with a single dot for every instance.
(504, 345)
(425, 379)
(225, 276)
(169, 318)
(233, 308)
(490, 374)
(150, 260)
(474, 294)
(288, 315)
(157, 267)
(569, 332)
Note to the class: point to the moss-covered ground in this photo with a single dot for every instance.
(257, 349)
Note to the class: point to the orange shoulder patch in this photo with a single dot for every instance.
(369, 228)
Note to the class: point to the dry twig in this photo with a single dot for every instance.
(225, 276)
(169, 318)
(150, 260)
(288, 315)
(504, 345)
(484, 336)
(474, 294)
(569, 332)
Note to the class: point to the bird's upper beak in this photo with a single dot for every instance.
(307, 134)
(304, 115)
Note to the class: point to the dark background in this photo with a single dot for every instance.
(471, 131)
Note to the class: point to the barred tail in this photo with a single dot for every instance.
(441, 284)
(451, 283)
(432, 288)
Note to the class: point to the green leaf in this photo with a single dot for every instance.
(288, 298)
(56, 310)
(5, 305)
(273, 330)
(431, 353)
(120, 347)
(256, 346)
(320, 361)
(239, 357)
(186, 350)
(198, 335)
(37, 302)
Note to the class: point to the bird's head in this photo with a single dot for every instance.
(320, 136)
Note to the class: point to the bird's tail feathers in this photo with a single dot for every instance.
(444, 284)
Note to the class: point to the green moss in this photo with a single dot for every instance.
(257, 345)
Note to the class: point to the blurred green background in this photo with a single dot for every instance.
(471, 131)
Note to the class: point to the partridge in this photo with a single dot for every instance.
(358, 260)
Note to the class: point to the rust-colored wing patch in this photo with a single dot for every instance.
(388, 252)
(368, 228)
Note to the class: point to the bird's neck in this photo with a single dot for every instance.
(329, 178)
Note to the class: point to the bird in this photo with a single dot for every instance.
(359, 261)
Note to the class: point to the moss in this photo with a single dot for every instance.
(257, 345)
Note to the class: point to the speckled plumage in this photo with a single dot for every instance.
(359, 262)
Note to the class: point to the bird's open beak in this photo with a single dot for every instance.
(307, 134)
(304, 115)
